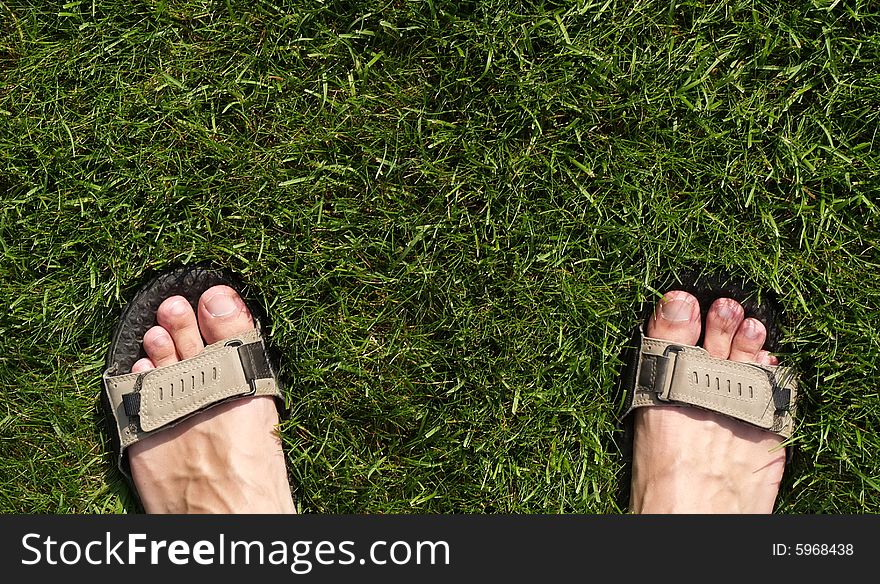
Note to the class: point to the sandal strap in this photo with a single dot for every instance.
(673, 374)
(148, 402)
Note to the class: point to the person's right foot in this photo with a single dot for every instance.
(690, 460)
(227, 459)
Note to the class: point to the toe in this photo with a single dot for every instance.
(676, 318)
(222, 314)
(722, 322)
(177, 317)
(142, 365)
(766, 358)
(160, 347)
(748, 341)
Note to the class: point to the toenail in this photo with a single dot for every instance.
(160, 339)
(178, 307)
(726, 312)
(752, 330)
(676, 310)
(220, 304)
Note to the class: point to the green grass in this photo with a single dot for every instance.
(453, 210)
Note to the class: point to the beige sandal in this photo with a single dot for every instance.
(138, 405)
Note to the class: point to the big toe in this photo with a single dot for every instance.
(676, 318)
(222, 314)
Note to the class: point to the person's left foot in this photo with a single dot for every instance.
(227, 459)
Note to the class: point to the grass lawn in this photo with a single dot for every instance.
(453, 211)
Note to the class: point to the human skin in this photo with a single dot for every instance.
(690, 460)
(227, 459)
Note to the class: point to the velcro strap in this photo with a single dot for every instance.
(178, 390)
(150, 401)
(131, 403)
(671, 374)
(254, 362)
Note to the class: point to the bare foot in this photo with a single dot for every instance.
(227, 459)
(689, 460)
